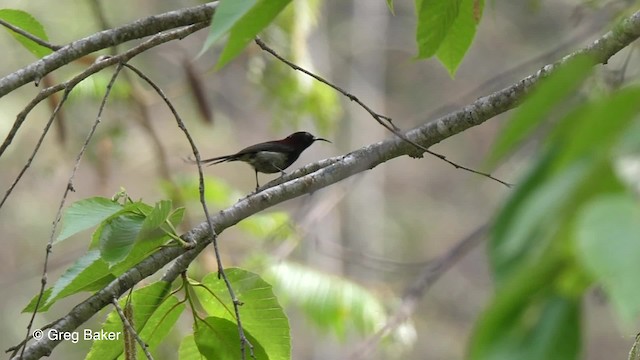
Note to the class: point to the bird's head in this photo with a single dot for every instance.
(302, 139)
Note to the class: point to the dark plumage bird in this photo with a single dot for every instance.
(271, 156)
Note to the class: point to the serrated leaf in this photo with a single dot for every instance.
(139, 251)
(331, 302)
(148, 303)
(607, 231)
(435, 19)
(118, 236)
(217, 339)
(460, 36)
(28, 23)
(85, 214)
(32, 304)
(160, 323)
(84, 272)
(543, 99)
(248, 26)
(261, 313)
(155, 219)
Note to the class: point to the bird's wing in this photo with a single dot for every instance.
(274, 146)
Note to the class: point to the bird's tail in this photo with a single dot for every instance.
(211, 161)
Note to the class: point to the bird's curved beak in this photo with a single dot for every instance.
(320, 139)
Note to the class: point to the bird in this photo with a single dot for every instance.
(271, 156)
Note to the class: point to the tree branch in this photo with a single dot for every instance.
(138, 29)
(357, 161)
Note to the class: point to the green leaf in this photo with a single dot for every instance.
(32, 304)
(267, 224)
(226, 15)
(87, 274)
(82, 274)
(28, 23)
(525, 225)
(547, 328)
(585, 134)
(607, 231)
(149, 302)
(162, 320)
(118, 236)
(547, 95)
(332, 303)
(139, 251)
(154, 220)
(390, 6)
(85, 214)
(216, 192)
(460, 36)
(262, 315)
(505, 326)
(248, 26)
(435, 19)
(217, 339)
(188, 349)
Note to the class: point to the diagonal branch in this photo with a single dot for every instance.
(383, 120)
(345, 166)
(138, 29)
(29, 36)
(94, 68)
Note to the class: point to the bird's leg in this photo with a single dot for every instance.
(257, 183)
(282, 172)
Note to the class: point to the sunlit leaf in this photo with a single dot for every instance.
(119, 235)
(331, 302)
(460, 36)
(390, 6)
(226, 15)
(607, 237)
(148, 303)
(262, 315)
(435, 19)
(85, 214)
(28, 23)
(248, 26)
(218, 339)
(547, 95)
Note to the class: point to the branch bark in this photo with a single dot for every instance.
(334, 170)
(138, 29)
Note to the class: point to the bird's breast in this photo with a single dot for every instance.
(269, 162)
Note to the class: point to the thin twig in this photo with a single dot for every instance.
(368, 157)
(68, 188)
(383, 120)
(148, 26)
(430, 274)
(37, 147)
(70, 84)
(236, 303)
(97, 66)
(19, 346)
(127, 325)
(30, 36)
